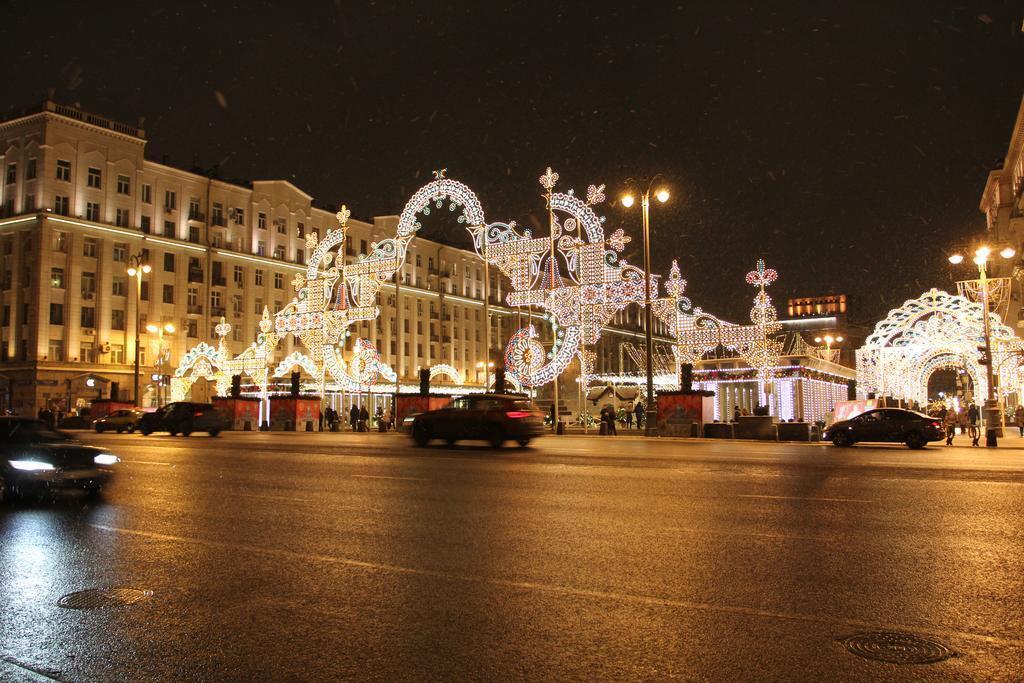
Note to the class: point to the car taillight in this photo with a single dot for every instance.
(516, 414)
(198, 413)
(937, 424)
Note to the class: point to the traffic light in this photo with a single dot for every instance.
(983, 358)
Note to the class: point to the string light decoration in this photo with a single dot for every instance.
(938, 330)
(443, 369)
(697, 333)
(574, 274)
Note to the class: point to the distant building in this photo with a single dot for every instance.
(817, 306)
(79, 199)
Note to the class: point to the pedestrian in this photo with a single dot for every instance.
(551, 414)
(353, 417)
(950, 424)
(387, 419)
(736, 413)
(364, 419)
(608, 415)
(942, 413)
(629, 419)
(640, 414)
(1018, 417)
(972, 424)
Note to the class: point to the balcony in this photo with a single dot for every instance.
(198, 216)
(219, 281)
(217, 311)
(195, 309)
(195, 275)
(219, 221)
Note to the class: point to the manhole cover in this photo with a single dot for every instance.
(104, 598)
(897, 648)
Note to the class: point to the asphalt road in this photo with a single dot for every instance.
(319, 557)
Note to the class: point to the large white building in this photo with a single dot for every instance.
(80, 198)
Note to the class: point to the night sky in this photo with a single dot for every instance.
(847, 145)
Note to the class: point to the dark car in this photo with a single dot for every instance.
(124, 420)
(886, 424)
(183, 418)
(35, 458)
(494, 418)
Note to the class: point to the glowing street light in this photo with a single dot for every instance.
(627, 200)
(981, 258)
(137, 267)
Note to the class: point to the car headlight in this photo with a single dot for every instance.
(31, 465)
(106, 459)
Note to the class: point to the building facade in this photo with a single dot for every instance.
(1002, 202)
(80, 199)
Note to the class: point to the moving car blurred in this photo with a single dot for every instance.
(124, 420)
(494, 418)
(183, 418)
(35, 458)
(886, 424)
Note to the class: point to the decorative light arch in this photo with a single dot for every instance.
(936, 330)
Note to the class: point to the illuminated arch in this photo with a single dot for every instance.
(449, 371)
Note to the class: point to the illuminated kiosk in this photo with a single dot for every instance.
(936, 331)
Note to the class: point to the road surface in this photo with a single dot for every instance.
(327, 556)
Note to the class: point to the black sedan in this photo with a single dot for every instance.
(494, 418)
(35, 459)
(886, 424)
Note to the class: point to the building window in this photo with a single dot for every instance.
(30, 202)
(124, 185)
(122, 217)
(236, 304)
(88, 285)
(117, 354)
(281, 225)
(239, 276)
(119, 285)
(300, 229)
(12, 173)
(261, 221)
(88, 318)
(169, 263)
(169, 229)
(64, 170)
(240, 216)
(30, 169)
(279, 252)
(117, 319)
(60, 241)
(95, 178)
(62, 205)
(56, 349)
(56, 314)
(278, 281)
(144, 290)
(193, 328)
(259, 276)
(120, 252)
(168, 294)
(146, 224)
(170, 200)
(217, 214)
(89, 247)
(92, 211)
(57, 278)
(259, 307)
(147, 193)
(193, 208)
(87, 353)
(261, 249)
(193, 234)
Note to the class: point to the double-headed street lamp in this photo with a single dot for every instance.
(627, 200)
(159, 330)
(828, 340)
(136, 268)
(982, 255)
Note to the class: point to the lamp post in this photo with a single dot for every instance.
(828, 340)
(982, 255)
(159, 331)
(627, 201)
(136, 268)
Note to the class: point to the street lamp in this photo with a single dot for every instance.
(159, 330)
(136, 269)
(982, 255)
(828, 340)
(627, 200)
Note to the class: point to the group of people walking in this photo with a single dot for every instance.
(608, 418)
(968, 419)
(358, 419)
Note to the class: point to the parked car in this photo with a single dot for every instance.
(494, 418)
(886, 424)
(183, 417)
(124, 420)
(35, 458)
